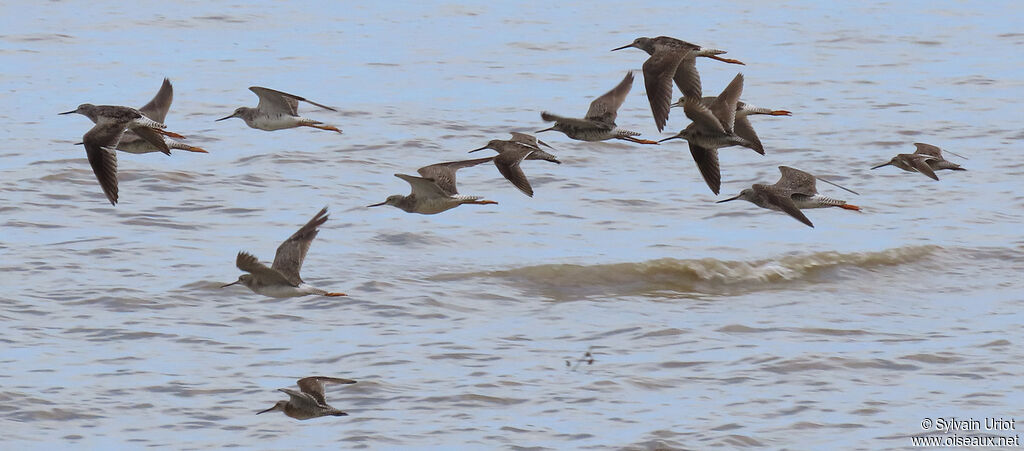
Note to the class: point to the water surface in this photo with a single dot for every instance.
(711, 325)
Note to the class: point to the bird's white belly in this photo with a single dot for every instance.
(437, 205)
(275, 122)
(135, 144)
(282, 291)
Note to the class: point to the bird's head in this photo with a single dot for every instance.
(279, 406)
(239, 112)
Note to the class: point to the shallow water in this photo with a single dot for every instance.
(710, 325)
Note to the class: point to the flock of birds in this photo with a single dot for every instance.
(716, 122)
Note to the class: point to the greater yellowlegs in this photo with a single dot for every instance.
(671, 59)
(310, 401)
(277, 110)
(742, 126)
(794, 191)
(102, 139)
(712, 129)
(435, 191)
(281, 279)
(156, 110)
(926, 159)
(599, 124)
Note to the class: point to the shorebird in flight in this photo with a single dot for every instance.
(278, 110)
(599, 123)
(926, 160)
(794, 191)
(521, 141)
(741, 125)
(309, 401)
(671, 59)
(102, 139)
(281, 279)
(712, 129)
(435, 191)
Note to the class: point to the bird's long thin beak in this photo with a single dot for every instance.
(545, 130)
(670, 137)
(474, 150)
(623, 47)
(377, 205)
(265, 411)
(731, 198)
(676, 105)
(883, 164)
(230, 284)
(228, 117)
(69, 112)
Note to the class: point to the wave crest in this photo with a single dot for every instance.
(700, 276)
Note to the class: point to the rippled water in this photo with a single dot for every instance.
(710, 325)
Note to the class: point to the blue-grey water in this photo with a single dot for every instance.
(710, 325)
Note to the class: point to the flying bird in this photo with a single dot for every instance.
(712, 129)
(278, 110)
(599, 123)
(435, 191)
(794, 191)
(671, 60)
(102, 139)
(926, 159)
(281, 279)
(309, 401)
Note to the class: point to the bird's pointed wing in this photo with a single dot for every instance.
(658, 72)
(423, 188)
(157, 108)
(152, 137)
(920, 163)
(303, 401)
(707, 162)
(605, 108)
(314, 386)
(443, 174)
(724, 106)
(100, 142)
(745, 130)
(571, 121)
(508, 165)
(701, 115)
(542, 155)
(797, 181)
(249, 263)
(781, 199)
(928, 149)
(687, 78)
(292, 252)
(529, 140)
(282, 101)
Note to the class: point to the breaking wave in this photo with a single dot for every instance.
(700, 276)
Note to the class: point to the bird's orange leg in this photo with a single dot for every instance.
(637, 140)
(167, 133)
(324, 127)
(726, 60)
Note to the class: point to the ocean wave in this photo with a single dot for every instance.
(697, 276)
